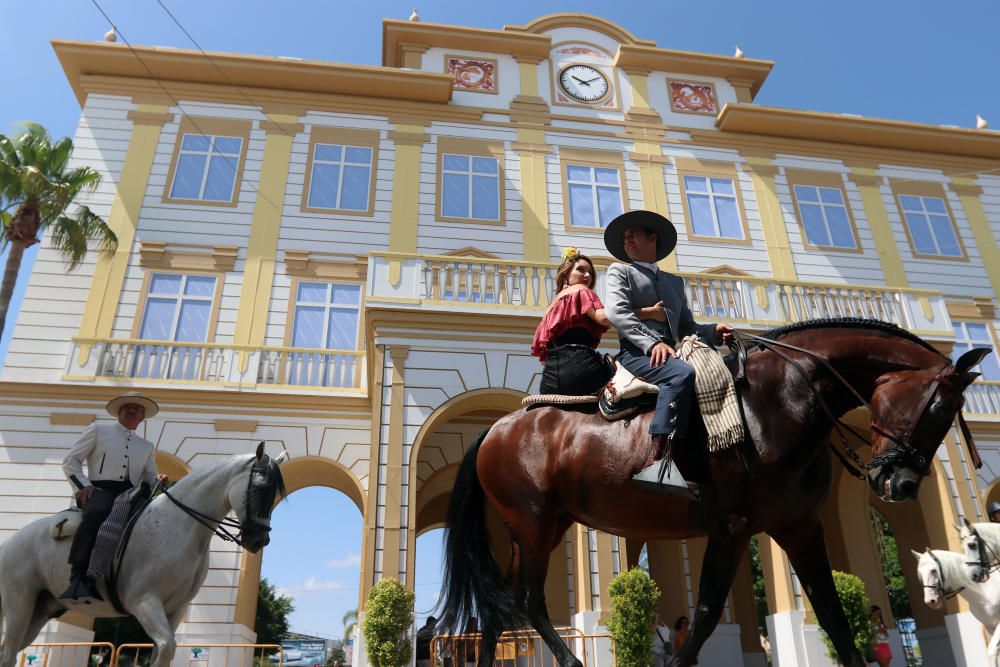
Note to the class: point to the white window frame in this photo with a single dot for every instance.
(340, 175)
(925, 213)
(210, 154)
(593, 184)
(180, 299)
(712, 196)
(966, 342)
(469, 177)
(823, 205)
(327, 307)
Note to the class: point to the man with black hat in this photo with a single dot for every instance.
(994, 512)
(640, 239)
(117, 459)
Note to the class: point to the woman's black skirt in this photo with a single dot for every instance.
(574, 370)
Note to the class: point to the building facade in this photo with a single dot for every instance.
(348, 262)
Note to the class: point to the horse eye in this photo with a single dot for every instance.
(939, 409)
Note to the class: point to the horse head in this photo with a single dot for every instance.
(979, 558)
(254, 498)
(912, 411)
(931, 578)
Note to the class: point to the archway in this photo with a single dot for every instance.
(308, 475)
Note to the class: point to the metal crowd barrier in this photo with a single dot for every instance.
(522, 648)
(203, 655)
(66, 654)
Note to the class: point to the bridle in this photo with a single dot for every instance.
(989, 560)
(221, 527)
(905, 454)
(941, 589)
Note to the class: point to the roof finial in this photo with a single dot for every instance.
(739, 52)
(111, 35)
(981, 123)
(414, 16)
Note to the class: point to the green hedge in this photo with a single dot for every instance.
(633, 608)
(388, 618)
(851, 591)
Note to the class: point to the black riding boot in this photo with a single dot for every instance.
(80, 585)
(662, 475)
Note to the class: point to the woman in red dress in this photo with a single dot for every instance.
(883, 654)
(571, 329)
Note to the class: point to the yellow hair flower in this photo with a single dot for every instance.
(570, 254)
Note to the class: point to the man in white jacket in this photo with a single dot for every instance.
(117, 459)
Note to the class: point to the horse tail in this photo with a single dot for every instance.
(473, 584)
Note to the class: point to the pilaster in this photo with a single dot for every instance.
(969, 193)
(869, 185)
(772, 220)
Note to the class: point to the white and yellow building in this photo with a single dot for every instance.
(348, 262)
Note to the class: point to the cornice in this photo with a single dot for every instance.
(579, 20)
(398, 34)
(747, 71)
(102, 59)
(751, 119)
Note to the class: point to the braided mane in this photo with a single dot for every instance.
(848, 323)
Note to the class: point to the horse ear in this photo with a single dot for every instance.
(282, 457)
(971, 359)
(916, 554)
(966, 522)
(260, 450)
(969, 378)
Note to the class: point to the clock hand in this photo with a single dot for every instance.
(586, 83)
(589, 81)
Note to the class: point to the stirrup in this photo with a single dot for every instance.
(664, 477)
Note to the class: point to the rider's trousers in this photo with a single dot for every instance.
(96, 510)
(676, 382)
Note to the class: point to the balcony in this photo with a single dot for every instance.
(217, 365)
(524, 288)
(982, 399)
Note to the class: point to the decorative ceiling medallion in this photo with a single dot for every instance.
(582, 51)
(472, 74)
(693, 97)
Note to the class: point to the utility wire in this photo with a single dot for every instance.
(212, 61)
(194, 123)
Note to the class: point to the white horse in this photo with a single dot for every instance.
(163, 566)
(981, 543)
(943, 575)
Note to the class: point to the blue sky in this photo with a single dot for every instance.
(922, 60)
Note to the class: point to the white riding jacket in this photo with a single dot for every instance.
(113, 454)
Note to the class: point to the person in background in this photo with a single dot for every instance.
(883, 654)
(994, 512)
(424, 636)
(681, 627)
(660, 643)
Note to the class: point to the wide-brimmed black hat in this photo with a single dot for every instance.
(666, 235)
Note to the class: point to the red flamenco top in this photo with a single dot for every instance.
(568, 312)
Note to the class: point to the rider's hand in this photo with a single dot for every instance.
(725, 332)
(659, 354)
(84, 494)
(162, 480)
(654, 312)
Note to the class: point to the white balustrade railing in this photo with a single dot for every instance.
(215, 363)
(487, 283)
(982, 398)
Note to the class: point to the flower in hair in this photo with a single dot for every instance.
(570, 254)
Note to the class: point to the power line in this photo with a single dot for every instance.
(215, 151)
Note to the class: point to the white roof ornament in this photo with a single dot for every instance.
(739, 52)
(414, 16)
(111, 35)
(981, 123)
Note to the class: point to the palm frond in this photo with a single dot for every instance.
(72, 235)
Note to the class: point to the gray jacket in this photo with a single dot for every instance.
(630, 287)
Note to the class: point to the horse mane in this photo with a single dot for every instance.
(848, 323)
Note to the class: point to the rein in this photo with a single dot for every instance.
(941, 589)
(904, 448)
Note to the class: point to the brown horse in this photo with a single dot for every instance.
(545, 468)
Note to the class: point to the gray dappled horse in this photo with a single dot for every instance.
(163, 566)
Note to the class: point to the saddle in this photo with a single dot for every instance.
(623, 395)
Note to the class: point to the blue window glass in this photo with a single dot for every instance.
(713, 208)
(326, 317)
(930, 226)
(976, 334)
(178, 309)
(340, 178)
(470, 187)
(824, 217)
(206, 167)
(595, 195)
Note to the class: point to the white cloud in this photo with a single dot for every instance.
(341, 563)
(314, 585)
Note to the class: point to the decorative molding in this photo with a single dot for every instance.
(71, 419)
(306, 264)
(763, 170)
(398, 354)
(402, 138)
(470, 251)
(644, 158)
(980, 308)
(525, 148)
(966, 189)
(178, 257)
(155, 118)
(235, 426)
(280, 127)
(866, 179)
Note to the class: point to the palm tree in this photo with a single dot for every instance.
(349, 619)
(37, 191)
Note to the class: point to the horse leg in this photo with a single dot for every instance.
(153, 619)
(718, 568)
(46, 608)
(993, 649)
(536, 543)
(18, 616)
(806, 550)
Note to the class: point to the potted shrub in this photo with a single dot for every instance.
(633, 608)
(388, 618)
(851, 591)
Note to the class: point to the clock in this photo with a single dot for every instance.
(584, 83)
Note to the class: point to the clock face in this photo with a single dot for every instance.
(584, 83)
